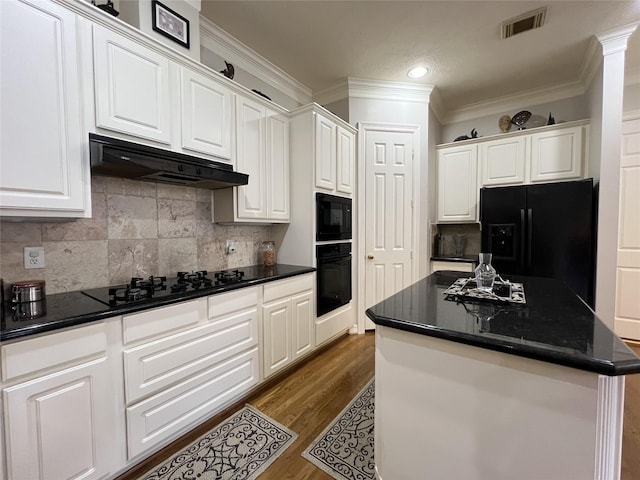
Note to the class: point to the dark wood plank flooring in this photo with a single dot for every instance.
(309, 397)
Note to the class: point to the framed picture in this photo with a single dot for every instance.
(169, 23)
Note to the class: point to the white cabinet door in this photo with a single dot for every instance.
(276, 330)
(502, 162)
(325, 149)
(302, 323)
(43, 157)
(457, 184)
(60, 426)
(556, 154)
(277, 166)
(206, 115)
(345, 161)
(133, 94)
(250, 159)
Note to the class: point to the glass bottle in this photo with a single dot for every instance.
(269, 253)
(485, 273)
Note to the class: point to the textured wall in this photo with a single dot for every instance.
(137, 229)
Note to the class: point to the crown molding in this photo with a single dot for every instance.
(615, 41)
(337, 92)
(220, 42)
(437, 107)
(394, 91)
(512, 102)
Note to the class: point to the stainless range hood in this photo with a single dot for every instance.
(118, 158)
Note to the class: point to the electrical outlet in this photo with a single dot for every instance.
(231, 247)
(33, 257)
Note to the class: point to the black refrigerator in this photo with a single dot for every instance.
(544, 230)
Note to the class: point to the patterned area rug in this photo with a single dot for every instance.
(345, 449)
(240, 448)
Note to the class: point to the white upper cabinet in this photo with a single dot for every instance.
(556, 154)
(44, 160)
(206, 115)
(326, 153)
(133, 93)
(250, 158)
(262, 152)
(458, 184)
(345, 160)
(547, 154)
(502, 162)
(278, 166)
(334, 156)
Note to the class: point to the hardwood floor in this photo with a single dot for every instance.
(308, 398)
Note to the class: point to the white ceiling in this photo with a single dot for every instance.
(320, 43)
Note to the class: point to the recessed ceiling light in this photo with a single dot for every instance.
(417, 72)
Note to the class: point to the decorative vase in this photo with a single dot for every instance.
(485, 273)
(269, 253)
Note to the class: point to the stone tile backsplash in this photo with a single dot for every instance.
(137, 229)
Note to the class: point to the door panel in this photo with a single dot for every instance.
(627, 316)
(502, 213)
(389, 214)
(560, 223)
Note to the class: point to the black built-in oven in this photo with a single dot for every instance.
(333, 217)
(333, 276)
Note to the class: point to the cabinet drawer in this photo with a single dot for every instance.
(225, 303)
(437, 265)
(161, 320)
(30, 356)
(156, 365)
(169, 413)
(288, 287)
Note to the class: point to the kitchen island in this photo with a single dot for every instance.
(479, 390)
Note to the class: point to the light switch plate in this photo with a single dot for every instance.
(33, 257)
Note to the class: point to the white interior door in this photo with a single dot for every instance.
(627, 319)
(388, 212)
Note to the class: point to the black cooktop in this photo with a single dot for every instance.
(140, 290)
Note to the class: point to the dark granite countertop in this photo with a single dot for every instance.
(554, 326)
(456, 258)
(75, 308)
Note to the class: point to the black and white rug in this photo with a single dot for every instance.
(240, 448)
(344, 449)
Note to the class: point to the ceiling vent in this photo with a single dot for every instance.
(525, 22)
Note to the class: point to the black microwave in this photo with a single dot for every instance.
(333, 217)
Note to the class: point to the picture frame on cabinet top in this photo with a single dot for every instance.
(170, 23)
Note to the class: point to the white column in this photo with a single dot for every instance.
(614, 44)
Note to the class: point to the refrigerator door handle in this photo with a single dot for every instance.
(522, 240)
(529, 237)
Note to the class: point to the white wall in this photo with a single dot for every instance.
(631, 100)
(137, 13)
(565, 110)
(242, 77)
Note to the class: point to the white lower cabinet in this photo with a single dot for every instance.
(60, 416)
(438, 265)
(186, 370)
(287, 322)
